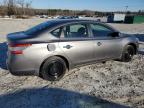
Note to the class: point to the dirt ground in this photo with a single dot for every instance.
(110, 85)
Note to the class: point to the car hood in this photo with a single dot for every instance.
(124, 35)
(127, 35)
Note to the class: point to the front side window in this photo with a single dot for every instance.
(75, 31)
(100, 30)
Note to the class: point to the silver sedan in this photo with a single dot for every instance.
(52, 48)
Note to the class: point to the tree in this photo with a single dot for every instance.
(10, 5)
(1, 9)
(28, 4)
(28, 8)
(128, 12)
(21, 3)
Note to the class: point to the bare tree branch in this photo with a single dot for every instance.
(21, 3)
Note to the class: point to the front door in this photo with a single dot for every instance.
(106, 47)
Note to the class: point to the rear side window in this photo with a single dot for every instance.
(75, 31)
(100, 30)
(38, 29)
(56, 32)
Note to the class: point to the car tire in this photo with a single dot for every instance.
(128, 53)
(53, 69)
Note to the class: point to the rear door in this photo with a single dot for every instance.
(106, 47)
(76, 44)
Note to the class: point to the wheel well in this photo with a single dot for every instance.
(66, 61)
(135, 47)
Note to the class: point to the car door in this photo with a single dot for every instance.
(76, 44)
(106, 46)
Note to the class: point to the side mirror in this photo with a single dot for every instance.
(114, 34)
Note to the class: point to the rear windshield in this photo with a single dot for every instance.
(39, 28)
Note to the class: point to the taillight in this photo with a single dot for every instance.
(20, 45)
(18, 48)
(17, 52)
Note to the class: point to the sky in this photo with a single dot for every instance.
(96, 5)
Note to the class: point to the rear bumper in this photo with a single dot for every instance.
(16, 72)
(23, 73)
(20, 65)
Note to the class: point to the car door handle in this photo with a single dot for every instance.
(99, 43)
(67, 46)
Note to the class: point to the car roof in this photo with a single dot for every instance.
(52, 24)
(63, 21)
(59, 22)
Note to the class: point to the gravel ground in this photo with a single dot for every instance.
(110, 85)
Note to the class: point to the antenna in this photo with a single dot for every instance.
(126, 7)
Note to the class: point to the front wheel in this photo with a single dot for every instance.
(54, 69)
(128, 53)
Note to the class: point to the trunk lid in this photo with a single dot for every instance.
(17, 36)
